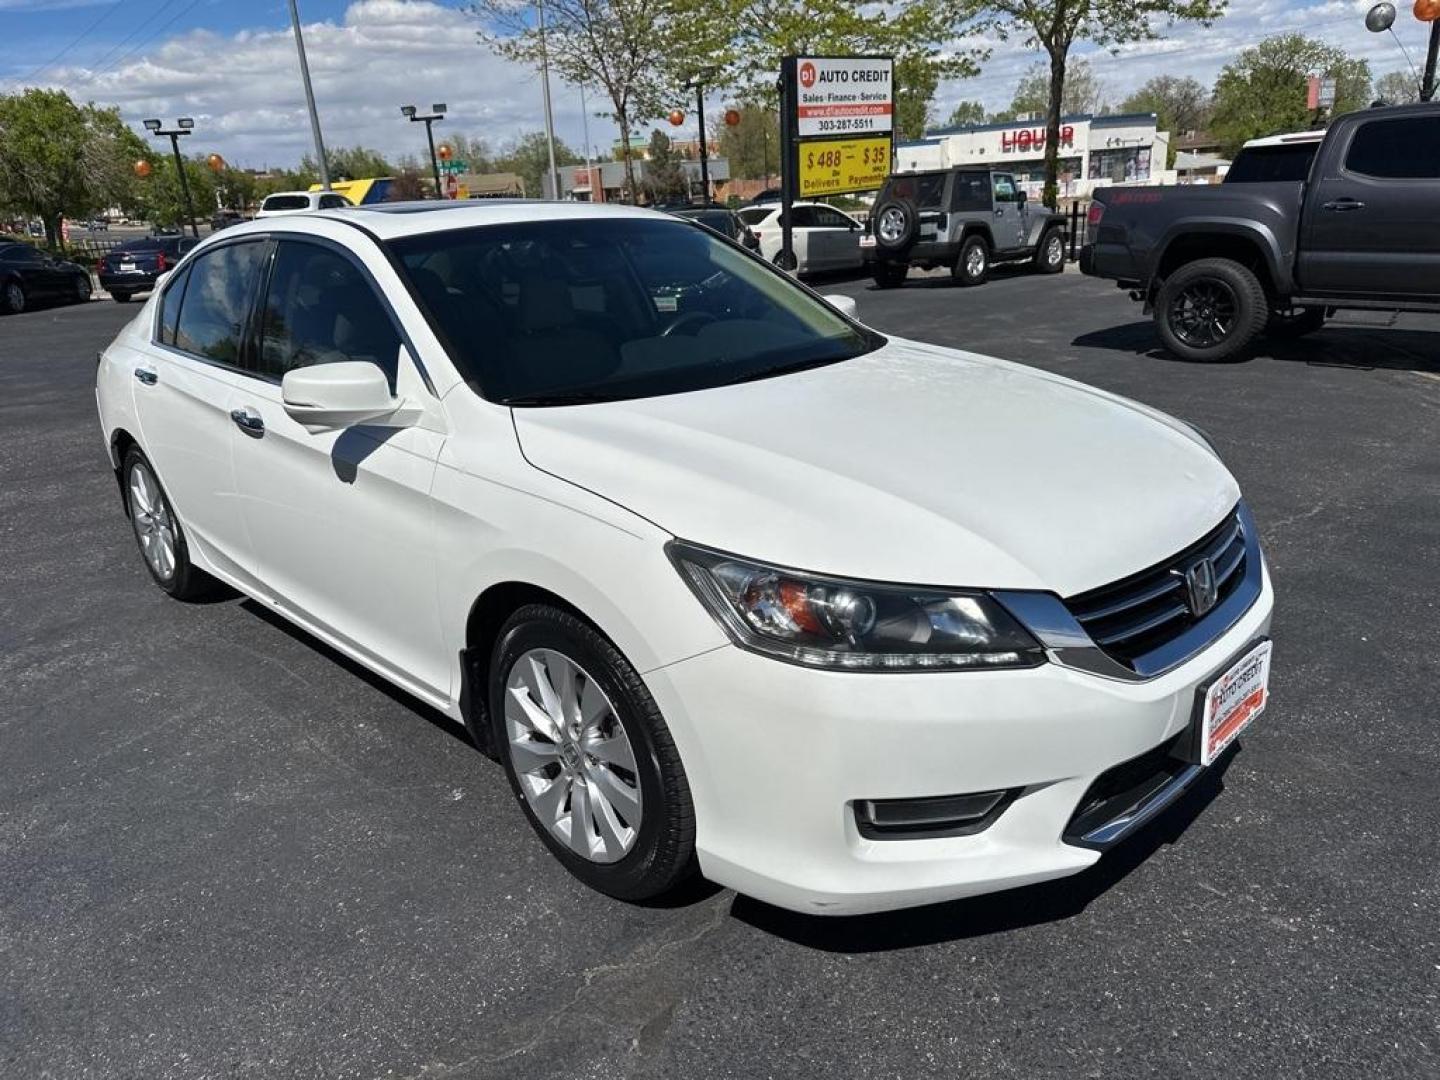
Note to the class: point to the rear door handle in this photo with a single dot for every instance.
(248, 421)
(146, 376)
(1344, 204)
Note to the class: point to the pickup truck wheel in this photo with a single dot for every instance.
(972, 266)
(1210, 310)
(890, 275)
(1291, 323)
(1050, 255)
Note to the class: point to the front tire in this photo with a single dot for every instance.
(82, 289)
(158, 533)
(12, 298)
(589, 756)
(1210, 310)
(972, 265)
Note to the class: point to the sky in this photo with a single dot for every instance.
(231, 65)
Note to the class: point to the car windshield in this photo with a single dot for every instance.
(1272, 164)
(286, 202)
(562, 312)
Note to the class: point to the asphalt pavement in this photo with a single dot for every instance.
(225, 851)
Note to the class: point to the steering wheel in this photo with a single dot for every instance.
(697, 318)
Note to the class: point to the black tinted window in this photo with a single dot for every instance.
(320, 309)
(23, 254)
(925, 190)
(803, 217)
(217, 302)
(170, 305)
(1272, 164)
(286, 202)
(330, 202)
(1407, 149)
(971, 191)
(833, 219)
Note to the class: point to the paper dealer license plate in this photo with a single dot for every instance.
(127, 267)
(1233, 700)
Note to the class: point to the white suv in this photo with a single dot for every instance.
(728, 581)
(300, 202)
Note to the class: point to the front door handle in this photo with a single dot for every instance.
(146, 376)
(248, 421)
(1346, 203)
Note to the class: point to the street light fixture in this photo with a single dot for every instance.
(184, 126)
(437, 113)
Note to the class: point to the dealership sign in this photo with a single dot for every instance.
(853, 95)
(832, 166)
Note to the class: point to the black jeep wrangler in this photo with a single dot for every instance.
(965, 218)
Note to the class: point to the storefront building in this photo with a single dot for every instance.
(1095, 151)
(604, 181)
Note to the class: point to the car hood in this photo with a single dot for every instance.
(912, 464)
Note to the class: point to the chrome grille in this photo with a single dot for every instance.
(1130, 619)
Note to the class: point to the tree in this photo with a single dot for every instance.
(633, 49)
(664, 175)
(1083, 94)
(1056, 25)
(916, 79)
(59, 159)
(529, 158)
(407, 186)
(966, 114)
(1179, 105)
(1397, 88)
(350, 163)
(752, 147)
(159, 199)
(1263, 92)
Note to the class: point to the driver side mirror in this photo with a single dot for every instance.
(341, 394)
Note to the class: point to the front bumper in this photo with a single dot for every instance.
(777, 756)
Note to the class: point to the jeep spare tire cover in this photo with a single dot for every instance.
(895, 224)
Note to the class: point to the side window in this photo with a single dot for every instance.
(930, 191)
(1005, 190)
(329, 202)
(1402, 149)
(971, 192)
(320, 309)
(803, 217)
(217, 301)
(833, 219)
(170, 305)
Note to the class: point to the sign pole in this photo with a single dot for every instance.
(789, 160)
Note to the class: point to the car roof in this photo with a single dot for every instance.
(390, 221)
(1287, 139)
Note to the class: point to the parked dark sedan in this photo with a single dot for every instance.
(135, 265)
(726, 222)
(28, 275)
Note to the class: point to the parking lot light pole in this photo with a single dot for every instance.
(437, 113)
(695, 83)
(183, 126)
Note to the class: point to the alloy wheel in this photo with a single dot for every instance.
(975, 261)
(1054, 251)
(574, 761)
(14, 297)
(154, 527)
(891, 226)
(1203, 313)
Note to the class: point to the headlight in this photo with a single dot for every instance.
(849, 625)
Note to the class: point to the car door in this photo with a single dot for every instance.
(809, 251)
(340, 521)
(1372, 220)
(183, 381)
(37, 276)
(841, 238)
(1007, 224)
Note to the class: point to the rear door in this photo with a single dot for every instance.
(841, 237)
(1008, 223)
(183, 382)
(1372, 215)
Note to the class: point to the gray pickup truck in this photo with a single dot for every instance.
(1220, 265)
(966, 219)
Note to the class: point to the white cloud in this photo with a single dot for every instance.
(245, 94)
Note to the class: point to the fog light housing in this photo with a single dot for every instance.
(932, 816)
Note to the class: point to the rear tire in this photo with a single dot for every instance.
(1210, 310)
(889, 275)
(972, 265)
(121, 297)
(158, 533)
(1050, 255)
(82, 289)
(1293, 323)
(12, 298)
(614, 769)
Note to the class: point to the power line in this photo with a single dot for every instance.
(78, 38)
(132, 52)
(99, 64)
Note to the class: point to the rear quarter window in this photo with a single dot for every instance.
(1272, 164)
(286, 202)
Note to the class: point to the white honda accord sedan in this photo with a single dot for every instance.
(729, 582)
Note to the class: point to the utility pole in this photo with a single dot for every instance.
(183, 126)
(549, 118)
(1427, 87)
(310, 97)
(585, 129)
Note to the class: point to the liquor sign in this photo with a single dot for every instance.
(850, 95)
(832, 166)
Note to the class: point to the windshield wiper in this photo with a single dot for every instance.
(781, 369)
(575, 397)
